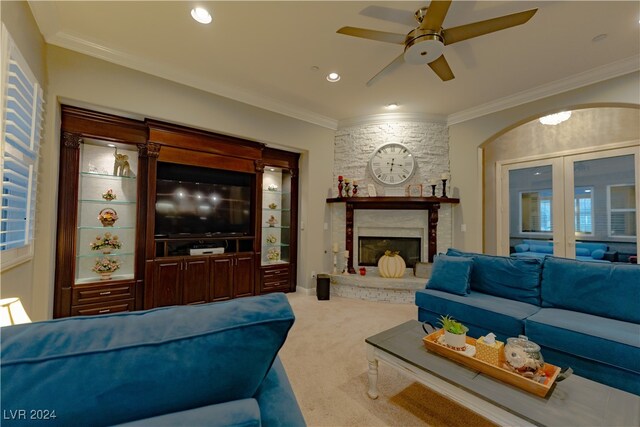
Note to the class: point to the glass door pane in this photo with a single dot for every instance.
(604, 207)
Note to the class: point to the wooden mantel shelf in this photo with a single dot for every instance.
(431, 204)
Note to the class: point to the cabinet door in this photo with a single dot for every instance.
(243, 275)
(221, 277)
(166, 282)
(195, 280)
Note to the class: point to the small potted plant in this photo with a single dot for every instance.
(455, 333)
(105, 267)
(106, 243)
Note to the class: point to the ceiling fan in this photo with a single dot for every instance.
(425, 43)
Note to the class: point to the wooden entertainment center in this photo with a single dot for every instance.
(108, 169)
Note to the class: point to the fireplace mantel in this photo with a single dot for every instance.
(430, 204)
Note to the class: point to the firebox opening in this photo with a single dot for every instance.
(370, 249)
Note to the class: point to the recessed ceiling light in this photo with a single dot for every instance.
(333, 77)
(111, 145)
(392, 106)
(201, 15)
(555, 119)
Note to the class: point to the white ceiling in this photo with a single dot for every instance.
(262, 53)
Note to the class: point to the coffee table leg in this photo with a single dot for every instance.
(373, 373)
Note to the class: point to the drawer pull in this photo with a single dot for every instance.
(105, 293)
(106, 310)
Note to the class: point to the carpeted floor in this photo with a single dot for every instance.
(324, 356)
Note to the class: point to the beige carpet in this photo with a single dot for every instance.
(324, 356)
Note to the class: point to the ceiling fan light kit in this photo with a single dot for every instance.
(425, 43)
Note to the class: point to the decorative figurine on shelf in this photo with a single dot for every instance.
(105, 267)
(340, 187)
(272, 221)
(347, 188)
(91, 168)
(272, 187)
(121, 164)
(273, 255)
(444, 177)
(271, 239)
(272, 206)
(106, 243)
(109, 195)
(355, 189)
(108, 217)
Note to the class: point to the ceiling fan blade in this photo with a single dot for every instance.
(468, 31)
(387, 70)
(380, 36)
(441, 67)
(435, 15)
(391, 15)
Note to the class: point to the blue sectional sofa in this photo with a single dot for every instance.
(539, 249)
(584, 315)
(207, 365)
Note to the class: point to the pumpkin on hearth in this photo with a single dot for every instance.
(391, 265)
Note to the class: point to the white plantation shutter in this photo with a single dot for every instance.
(22, 112)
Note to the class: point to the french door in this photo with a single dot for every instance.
(559, 203)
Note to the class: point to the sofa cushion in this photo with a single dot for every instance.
(583, 252)
(129, 366)
(237, 413)
(499, 315)
(506, 277)
(608, 341)
(278, 404)
(451, 274)
(522, 247)
(600, 288)
(541, 249)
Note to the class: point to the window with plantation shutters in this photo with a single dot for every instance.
(622, 210)
(22, 112)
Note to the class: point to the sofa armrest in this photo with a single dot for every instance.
(278, 404)
(611, 256)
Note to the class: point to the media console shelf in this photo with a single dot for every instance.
(430, 204)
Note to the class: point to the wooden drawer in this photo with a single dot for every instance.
(102, 308)
(101, 293)
(274, 278)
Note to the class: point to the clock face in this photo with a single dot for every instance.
(392, 164)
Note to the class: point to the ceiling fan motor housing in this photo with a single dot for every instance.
(423, 47)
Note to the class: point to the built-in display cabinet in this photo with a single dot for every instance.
(153, 214)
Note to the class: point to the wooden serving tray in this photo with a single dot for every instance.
(430, 341)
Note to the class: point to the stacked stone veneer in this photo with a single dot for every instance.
(429, 143)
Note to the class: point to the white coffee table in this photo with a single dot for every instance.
(576, 401)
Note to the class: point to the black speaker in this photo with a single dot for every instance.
(323, 291)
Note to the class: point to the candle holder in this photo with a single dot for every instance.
(346, 263)
(335, 261)
(347, 189)
(444, 188)
(355, 190)
(340, 187)
(433, 190)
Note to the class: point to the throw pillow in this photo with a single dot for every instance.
(584, 252)
(597, 254)
(522, 247)
(451, 274)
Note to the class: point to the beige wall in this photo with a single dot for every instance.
(86, 81)
(466, 138)
(16, 15)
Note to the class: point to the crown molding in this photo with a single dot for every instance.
(392, 117)
(595, 75)
(82, 45)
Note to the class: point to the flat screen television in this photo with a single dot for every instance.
(194, 201)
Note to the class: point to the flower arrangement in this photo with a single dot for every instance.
(271, 239)
(107, 217)
(272, 187)
(272, 205)
(109, 195)
(273, 254)
(106, 265)
(107, 241)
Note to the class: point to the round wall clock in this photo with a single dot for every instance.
(392, 164)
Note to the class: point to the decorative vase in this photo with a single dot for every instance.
(355, 190)
(391, 265)
(455, 341)
(106, 275)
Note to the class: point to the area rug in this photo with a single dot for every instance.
(324, 356)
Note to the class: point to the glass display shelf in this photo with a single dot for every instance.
(266, 227)
(102, 201)
(99, 254)
(276, 210)
(100, 227)
(281, 262)
(105, 175)
(276, 192)
(276, 245)
(97, 279)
